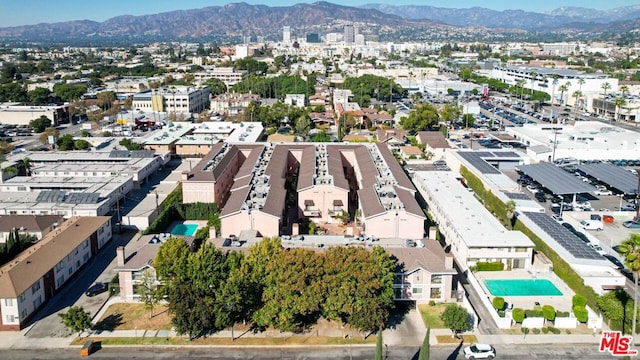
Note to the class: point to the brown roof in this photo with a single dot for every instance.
(411, 150)
(141, 258)
(29, 223)
(367, 167)
(384, 135)
(435, 139)
(409, 201)
(334, 165)
(398, 174)
(277, 170)
(33, 263)
(431, 258)
(281, 138)
(197, 174)
(370, 203)
(235, 200)
(307, 165)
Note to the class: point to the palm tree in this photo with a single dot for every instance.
(619, 102)
(520, 84)
(510, 208)
(630, 251)
(581, 81)
(624, 89)
(605, 86)
(562, 89)
(533, 79)
(577, 95)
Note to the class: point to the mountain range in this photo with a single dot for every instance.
(243, 19)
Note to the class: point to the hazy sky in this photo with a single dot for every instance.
(25, 12)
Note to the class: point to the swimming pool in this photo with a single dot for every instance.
(184, 229)
(522, 287)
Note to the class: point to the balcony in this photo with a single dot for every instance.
(312, 213)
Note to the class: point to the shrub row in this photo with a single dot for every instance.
(489, 266)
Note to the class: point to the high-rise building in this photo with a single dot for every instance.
(286, 34)
(349, 34)
(313, 38)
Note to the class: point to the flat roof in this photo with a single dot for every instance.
(555, 179)
(471, 220)
(613, 175)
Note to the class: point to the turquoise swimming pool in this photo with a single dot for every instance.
(184, 229)
(522, 287)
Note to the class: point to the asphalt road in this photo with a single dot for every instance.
(513, 352)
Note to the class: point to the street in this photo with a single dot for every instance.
(565, 352)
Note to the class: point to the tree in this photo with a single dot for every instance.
(148, 290)
(468, 120)
(39, 96)
(130, 144)
(106, 99)
(81, 144)
(624, 89)
(171, 260)
(450, 112)
(456, 318)
(216, 86)
(50, 131)
(420, 118)
(40, 124)
(76, 319)
(619, 103)
(577, 95)
(65, 142)
(321, 136)
(605, 86)
(630, 252)
(562, 89)
(424, 349)
(379, 352)
(69, 92)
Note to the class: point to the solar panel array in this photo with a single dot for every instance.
(568, 240)
(50, 196)
(517, 196)
(132, 154)
(613, 175)
(58, 196)
(556, 180)
(506, 154)
(475, 159)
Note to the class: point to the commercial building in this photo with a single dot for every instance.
(22, 115)
(228, 75)
(174, 99)
(39, 272)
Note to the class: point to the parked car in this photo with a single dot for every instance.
(569, 227)
(96, 289)
(591, 225)
(631, 224)
(533, 188)
(603, 192)
(540, 196)
(597, 248)
(479, 351)
(614, 260)
(628, 207)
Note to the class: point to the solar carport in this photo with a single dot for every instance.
(555, 179)
(612, 175)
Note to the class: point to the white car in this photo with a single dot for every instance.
(591, 225)
(597, 248)
(532, 188)
(479, 351)
(603, 192)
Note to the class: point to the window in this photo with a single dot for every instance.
(10, 318)
(416, 290)
(23, 314)
(8, 302)
(70, 270)
(22, 297)
(436, 279)
(59, 266)
(35, 287)
(85, 244)
(436, 293)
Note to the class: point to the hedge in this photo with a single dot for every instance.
(579, 300)
(489, 266)
(581, 313)
(498, 303)
(533, 313)
(554, 330)
(549, 312)
(518, 315)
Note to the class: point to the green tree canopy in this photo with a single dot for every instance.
(69, 92)
(456, 318)
(76, 319)
(39, 96)
(216, 86)
(40, 124)
(419, 119)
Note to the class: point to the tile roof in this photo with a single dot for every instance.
(431, 258)
(435, 139)
(33, 263)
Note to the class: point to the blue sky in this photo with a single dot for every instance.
(25, 12)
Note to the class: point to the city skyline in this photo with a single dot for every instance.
(31, 12)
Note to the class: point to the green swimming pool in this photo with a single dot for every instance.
(184, 229)
(522, 287)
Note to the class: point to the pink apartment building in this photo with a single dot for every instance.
(266, 188)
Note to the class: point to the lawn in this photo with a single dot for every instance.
(134, 316)
(431, 315)
(279, 341)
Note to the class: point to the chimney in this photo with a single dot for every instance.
(448, 261)
(120, 256)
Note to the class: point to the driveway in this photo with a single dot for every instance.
(405, 328)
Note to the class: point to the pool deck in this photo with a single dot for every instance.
(560, 303)
(200, 223)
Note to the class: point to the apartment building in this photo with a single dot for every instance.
(254, 186)
(31, 225)
(41, 271)
(472, 232)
